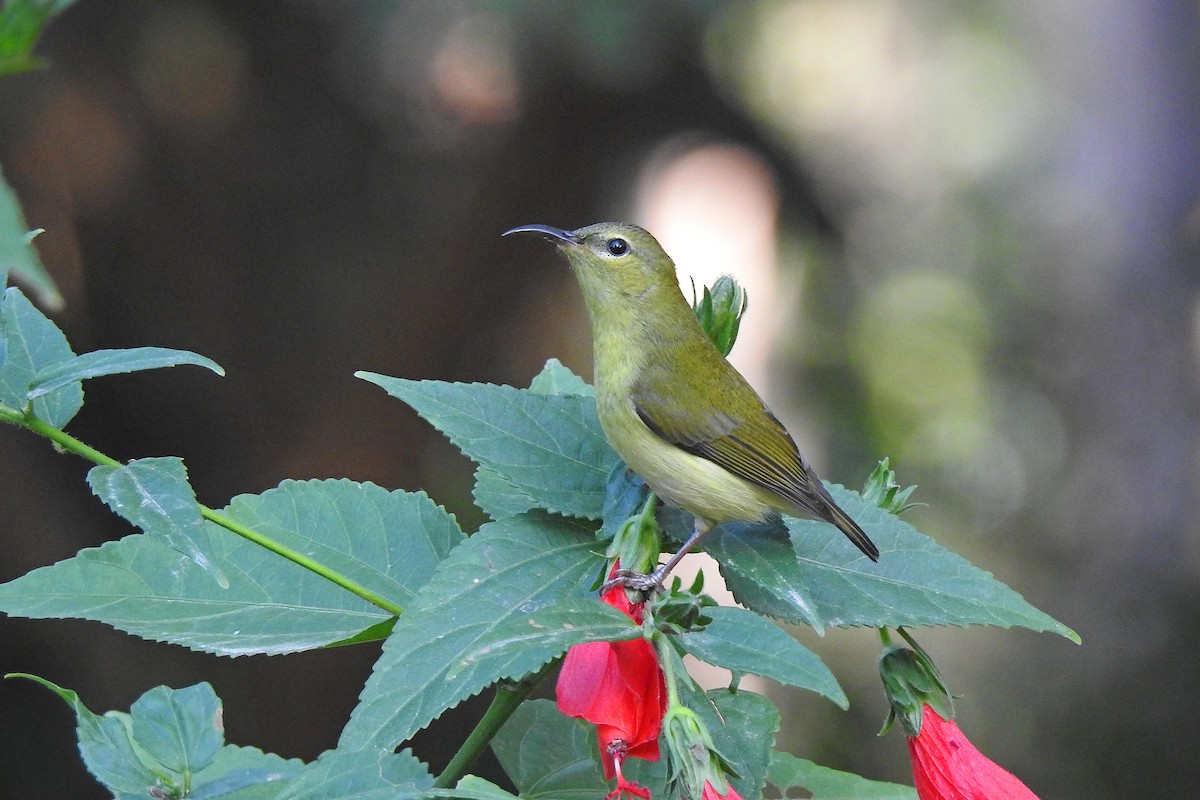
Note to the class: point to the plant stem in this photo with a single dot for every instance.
(503, 705)
(61, 438)
(666, 659)
(69, 443)
(299, 559)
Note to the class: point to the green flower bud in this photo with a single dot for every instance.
(882, 490)
(720, 312)
(691, 753)
(911, 681)
(689, 746)
(638, 541)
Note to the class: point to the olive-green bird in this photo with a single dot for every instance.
(671, 405)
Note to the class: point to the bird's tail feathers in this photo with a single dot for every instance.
(853, 532)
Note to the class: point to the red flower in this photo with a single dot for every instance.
(619, 687)
(948, 767)
(712, 794)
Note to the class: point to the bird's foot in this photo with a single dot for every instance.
(645, 582)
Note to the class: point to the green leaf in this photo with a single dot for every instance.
(743, 727)
(498, 498)
(5, 394)
(154, 494)
(760, 569)
(244, 773)
(551, 630)
(745, 642)
(557, 379)
(21, 23)
(624, 495)
(819, 576)
(114, 362)
(17, 253)
(473, 788)
(181, 729)
(34, 343)
(389, 542)
(549, 447)
(788, 772)
(361, 775)
(488, 613)
(548, 755)
(172, 740)
(106, 746)
(376, 633)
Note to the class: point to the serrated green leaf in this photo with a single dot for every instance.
(498, 498)
(788, 772)
(818, 574)
(389, 542)
(551, 756)
(551, 629)
(114, 362)
(566, 764)
(244, 773)
(549, 447)
(558, 379)
(106, 746)
(361, 775)
(457, 637)
(761, 570)
(34, 343)
(743, 727)
(171, 739)
(154, 494)
(745, 642)
(472, 787)
(17, 253)
(181, 728)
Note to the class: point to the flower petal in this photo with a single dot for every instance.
(946, 766)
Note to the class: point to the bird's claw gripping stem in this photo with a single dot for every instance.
(645, 582)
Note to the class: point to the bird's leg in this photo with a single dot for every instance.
(647, 582)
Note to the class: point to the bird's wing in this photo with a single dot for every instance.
(757, 449)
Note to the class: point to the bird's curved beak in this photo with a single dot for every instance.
(556, 235)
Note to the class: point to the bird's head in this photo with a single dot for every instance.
(614, 261)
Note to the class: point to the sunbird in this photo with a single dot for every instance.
(672, 407)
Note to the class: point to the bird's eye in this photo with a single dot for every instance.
(618, 247)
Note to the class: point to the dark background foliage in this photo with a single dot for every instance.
(978, 226)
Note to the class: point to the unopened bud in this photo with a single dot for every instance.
(637, 543)
(911, 681)
(720, 312)
(882, 490)
(692, 755)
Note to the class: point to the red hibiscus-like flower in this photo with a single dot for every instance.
(712, 794)
(619, 687)
(948, 767)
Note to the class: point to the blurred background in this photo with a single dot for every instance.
(969, 232)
